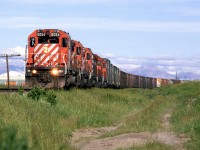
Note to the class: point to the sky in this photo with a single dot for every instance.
(132, 33)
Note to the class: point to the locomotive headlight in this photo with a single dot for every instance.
(34, 71)
(54, 72)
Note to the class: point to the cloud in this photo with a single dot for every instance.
(16, 60)
(15, 51)
(169, 64)
(19, 50)
(99, 24)
(185, 11)
(95, 1)
(60, 2)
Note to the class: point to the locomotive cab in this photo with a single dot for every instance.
(78, 63)
(104, 73)
(99, 71)
(47, 59)
(77, 55)
(89, 67)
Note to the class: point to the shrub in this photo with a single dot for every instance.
(20, 90)
(51, 98)
(36, 92)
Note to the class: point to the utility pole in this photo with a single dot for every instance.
(7, 65)
(176, 75)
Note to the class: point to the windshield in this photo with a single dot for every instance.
(88, 56)
(98, 63)
(48, 40)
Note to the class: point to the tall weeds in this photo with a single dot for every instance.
(48, 127)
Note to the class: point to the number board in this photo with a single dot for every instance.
(40, 34)
(55, 34)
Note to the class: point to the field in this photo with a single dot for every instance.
(171, 112)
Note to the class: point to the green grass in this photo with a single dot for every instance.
(186, 117)
(50, 127)
(147, 119)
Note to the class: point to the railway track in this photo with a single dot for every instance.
(2, 90)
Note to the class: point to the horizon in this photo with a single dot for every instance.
(152, 72)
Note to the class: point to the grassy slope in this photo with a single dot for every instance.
(139, 110)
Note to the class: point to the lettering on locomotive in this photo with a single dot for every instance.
(41, 34)
(55, 34)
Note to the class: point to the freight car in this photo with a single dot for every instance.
(54, 60)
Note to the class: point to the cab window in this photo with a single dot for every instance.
(46, 40)
(88, 56)
(32, 41)
(98, 63)
(53, 40)
(64, 42)
(72, 47)
(78, 50)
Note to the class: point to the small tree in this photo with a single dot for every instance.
(36, 92)
(20, 90)
(51, 98)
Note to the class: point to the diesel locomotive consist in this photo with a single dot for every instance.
(54, 60)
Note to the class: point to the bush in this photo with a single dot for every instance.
(37, 92)
(51, 98)
(20, 90)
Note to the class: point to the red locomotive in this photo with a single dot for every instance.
(54, 60)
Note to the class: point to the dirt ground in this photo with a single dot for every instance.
(86, 139)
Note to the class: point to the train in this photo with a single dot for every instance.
(55, 60)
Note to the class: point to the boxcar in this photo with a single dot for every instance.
(123, 79)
